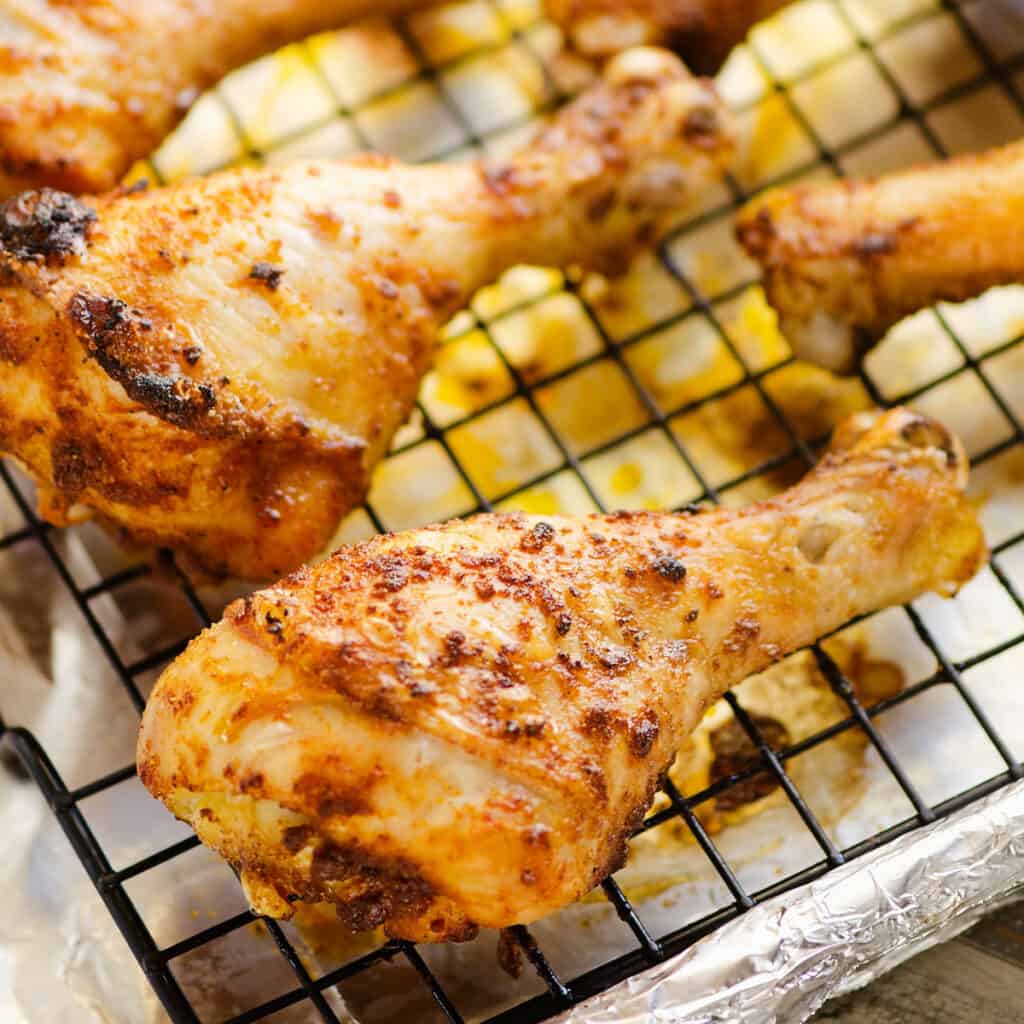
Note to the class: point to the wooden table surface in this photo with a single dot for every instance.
(975, 979)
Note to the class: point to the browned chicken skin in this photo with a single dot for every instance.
(460, 726)
(89, 87)
(702, 32)
(843, 262)
(217, 366)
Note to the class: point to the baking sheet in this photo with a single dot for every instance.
(564, 395)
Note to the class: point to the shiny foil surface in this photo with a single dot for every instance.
(555, 394)
(781, 961)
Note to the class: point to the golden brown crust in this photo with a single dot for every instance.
(843, 262)
(217, 366)
(702, 32)
(478, 713)
(215, 500)
(89, 87)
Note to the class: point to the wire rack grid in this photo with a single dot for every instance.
(986, 68)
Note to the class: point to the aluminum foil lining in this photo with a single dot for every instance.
(837, 934)
(61, 957)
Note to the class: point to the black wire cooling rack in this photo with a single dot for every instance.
(995, 70)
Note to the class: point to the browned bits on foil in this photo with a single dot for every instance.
(734, 753)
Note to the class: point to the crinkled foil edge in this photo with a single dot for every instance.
(783, 959)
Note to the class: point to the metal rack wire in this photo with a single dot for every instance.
(649, 948)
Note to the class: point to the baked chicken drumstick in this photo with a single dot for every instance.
(843, 262)
(460, 726)
(216, 367)
(701, 31)
(87, 88)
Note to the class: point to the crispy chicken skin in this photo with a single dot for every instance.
(845, 261)
(702, 32)
(87, 88)
(216, 367)
(460, 726)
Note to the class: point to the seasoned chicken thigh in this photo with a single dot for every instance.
(702, 32)
(843, 262)
(216, 367)
(89, 87)
(460, 726)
